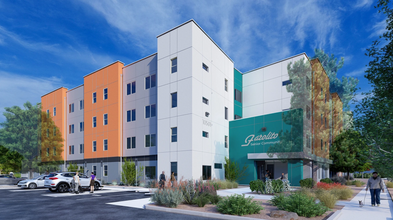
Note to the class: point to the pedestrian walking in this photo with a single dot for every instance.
(376, 185)
(267, 175)
(162, 180)
(77, 182)
(173, 179)
(92, 182)
(282, 176)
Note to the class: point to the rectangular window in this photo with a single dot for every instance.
(105, 93)
(133, 115)
(105, 119)
(205, 100)
(207, 114)
(54, 151)
(321, 119)
(71, 108)
(150, 140)
(81, 104)
(147, 140)
(131, 142)
(150, 172)
(54, 131)
(128, 88)
(206, 172)
(94, 146)
(153, 81)
(308, 143)
(105, 144)
(174, 134)
(321, 144)
(226, 85)
(71, 129)
(174, 99)
(128, 116)
(237, 117)
(94, 97)
(47, 113)
(94, 122)
(133, 87)
(205, 134)
(94, 170)
(47, 132)
(325, 123)
(308, 83)
(218, 166)
(308, 112)
(147, 82)
(286, 82)
(174, 169)
(226, 141)
(205, 67)
(105, 170)
(81, 148)
(325, 146)
(174, 65)
(147, 111)
(128, 143)
(238, 95)
(54, 111)
(69, 149)
(150, 111)
(226, 113)
(47, 152)
(81, 126)
(321, 92)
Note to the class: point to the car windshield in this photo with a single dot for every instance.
(42, 176)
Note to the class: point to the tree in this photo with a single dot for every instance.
(233, 171)
(375, 111)
(129, 173)
(349, 152)
(74, 168)
(10, 161)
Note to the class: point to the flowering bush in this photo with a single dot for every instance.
(328, 186)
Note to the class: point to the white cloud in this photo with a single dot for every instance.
(358, 72)
(378, 29)
(16, 89)
(363, 3)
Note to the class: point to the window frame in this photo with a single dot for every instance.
(205, 67)
(94, 97)
(226, 85)
(218, 166)
(205, 100)
(205, 134)
(81, 148)
(105, 121)
(173, 134)
(81, 126)
(226, 113)
(105, 144)
(94, 146)
(94, 121)
(105, 94)
(174, 96)
(105, 170)
(226, 141)
(54, 111)
(173, 66)
(81, 104)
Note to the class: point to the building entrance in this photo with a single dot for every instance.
(260, 166)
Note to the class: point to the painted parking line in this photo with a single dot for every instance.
(136, 203)
(26, 190)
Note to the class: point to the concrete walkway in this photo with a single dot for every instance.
(243, 190)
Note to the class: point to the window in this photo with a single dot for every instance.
(174, 134)
(226, 85)
(94, 122)
(325, 146)
(237, 117)
(321, 119)
(206, 172)
(105, 144)
(94, 169)
(94, 97)
(54, 111)
(174, 169)
(205, 134)
(71, 149)
(81, 104)
(105, 93)
(47, 113)
(226, 113)
(174, 99)
(105, 119)
(128, 88)
(131, 88)
(308, 112)
(308, 141)
(150, 81)
(205, 67)
(54, 151)
(205, 100)
(105, 170)
(54, 131)
(128, 143)
(131, 142)
(71, 129)
(238, 95)
(308, 83)
(150, 140)
(321, 92)
(286, 82)
(150, 172)
(81, 126)
(133, 115)
(81, 148)
(207, 114)
(218, 166)
(150, 111)
(128, 116)
(147, 82)
(226, 141)
(47, 152)
(71, 108)
(174, 65)
(94, 146)
(325, 122)
(321, 144)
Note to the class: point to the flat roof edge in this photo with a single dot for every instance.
(140, 60)
(75, 88)
(117, 61)
(53, 91)
(303, 53)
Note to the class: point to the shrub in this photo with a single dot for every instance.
(238, 205)
(215, 199)
(327, 198)
(223, 184)
(277, 199)
(302, 205)
(307, 183)
(326, 180)
(257, 186)
(389, 185)
(310, 193)
(229, 185)
(188, 190)
(327, 186)
(358, 183)
(235, 184)
(202, 199)
(277, 186)
(339, 179)
(168, 197)
(342, 193)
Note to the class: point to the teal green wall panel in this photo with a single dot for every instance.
(238, 84)
(295, 172)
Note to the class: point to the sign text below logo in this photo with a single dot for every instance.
(251, 139)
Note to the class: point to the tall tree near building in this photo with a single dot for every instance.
(233, 172)
(375, 111)
(130, 173)
(10, 161)
(349, 152)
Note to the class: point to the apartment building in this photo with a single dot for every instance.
(185, 108)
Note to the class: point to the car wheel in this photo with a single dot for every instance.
(62, 188)
(32, 186)
(96, 186)
(52, 190)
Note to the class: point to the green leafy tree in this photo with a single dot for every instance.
(233, 172)
(349, 152)
(129, 173)
(73, 168)
(10, 161)
(375, 111)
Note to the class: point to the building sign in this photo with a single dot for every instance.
(257, 140)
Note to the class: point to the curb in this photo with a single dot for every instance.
(196, 213)
(335, 215)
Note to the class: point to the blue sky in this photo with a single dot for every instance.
(47, 44)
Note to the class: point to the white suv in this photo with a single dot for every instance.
(61, 182)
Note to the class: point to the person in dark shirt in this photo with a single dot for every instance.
(162, 179)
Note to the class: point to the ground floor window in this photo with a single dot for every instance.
(94, 170)
(206, 172)
(150, 172)
(218, 166)
(105, 170)
(174, 168)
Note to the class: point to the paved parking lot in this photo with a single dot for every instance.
(42, 204)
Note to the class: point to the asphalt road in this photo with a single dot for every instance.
(35, 204)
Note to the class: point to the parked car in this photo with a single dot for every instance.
(6, 179)
(60, 182)
(33, 183)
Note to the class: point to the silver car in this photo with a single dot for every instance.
(61, 182)
(33, 183)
